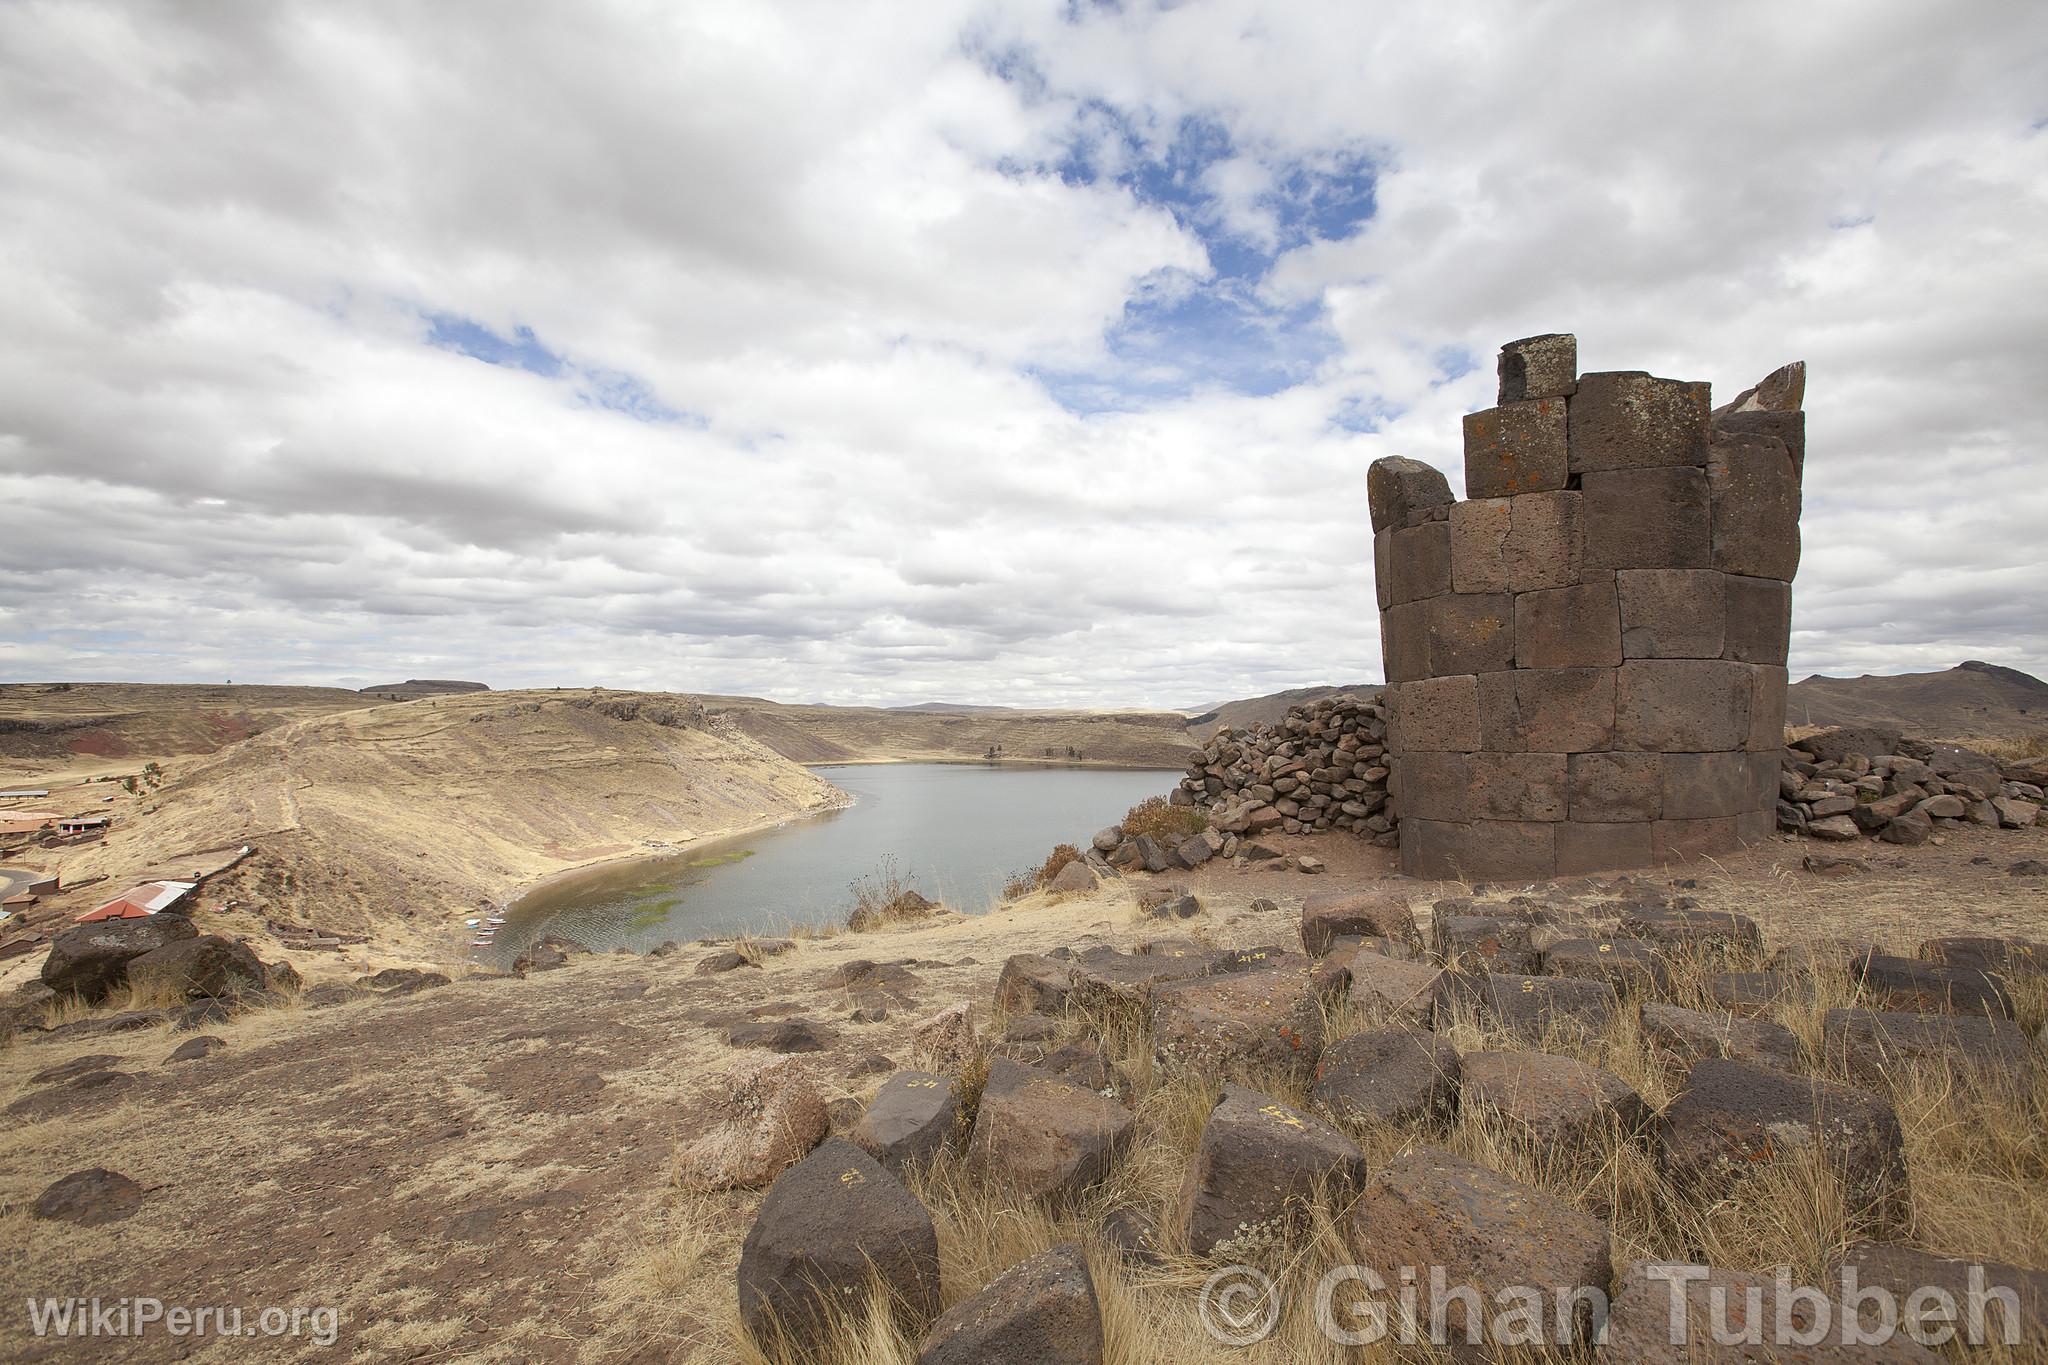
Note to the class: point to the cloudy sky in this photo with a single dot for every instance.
(1027, 353)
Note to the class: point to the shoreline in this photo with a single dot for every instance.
(503, 903)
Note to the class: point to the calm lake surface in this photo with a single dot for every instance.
(955, 832)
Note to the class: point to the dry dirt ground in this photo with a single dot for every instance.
(483, 1171)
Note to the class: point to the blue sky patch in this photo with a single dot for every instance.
(521, 351)
(1181, 332)
(612, 390)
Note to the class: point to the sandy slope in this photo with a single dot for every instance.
(396, 819)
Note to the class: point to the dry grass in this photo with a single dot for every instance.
(1161, 819)
(1977, 1156)
(1055, 863)
(882, 898)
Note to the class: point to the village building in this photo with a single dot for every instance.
(149, 898)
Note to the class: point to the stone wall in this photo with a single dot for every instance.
(1323, 766)
(1586, 658)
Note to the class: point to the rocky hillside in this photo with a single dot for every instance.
(396, 819)
(414, 688)
(1972, 700)
(860, 734)
(81, 726)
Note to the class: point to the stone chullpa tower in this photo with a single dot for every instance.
(1585, 659)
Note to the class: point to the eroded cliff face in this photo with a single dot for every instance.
(1586, 658)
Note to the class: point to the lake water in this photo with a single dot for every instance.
(955, 832)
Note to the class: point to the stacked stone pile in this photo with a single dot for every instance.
(1586, 658)
(1322, 767)
(1849, 783)
(1540, 974)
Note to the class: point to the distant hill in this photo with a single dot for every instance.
(1268, 709)
(414, 688)
(954, 708)
(1973, 699)
(953, 733)
(50, 728)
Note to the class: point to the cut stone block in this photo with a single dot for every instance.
(1253, 1023)
(1672, 613)
(1584, 847)
(1436, 713)
(1516, 448)
(1758, 619)
(1682, 705)
(1987, 954)
(910, 1119)
(1370, 914)
(1398, 490)
(1701, 786)
(1734, 1118)
(1042, 1136)
(1257, 1171)
(1754, 995)
(1404, 641)
(1041, 1311)
(1687, 1036)
(1503, 848)
(831, 1225)
(1485, 943)
(1544, 366)
(1537, 1008)
(1479, 533)
(1471, 632)
(1787, 428)
(1388, 1075)
(1555, 1102)
(1547, 710)
(1681, 841)
(1694, 930)
(1629, 965)
(1033, 984)
(1517, 544)
(1394, 990)
(1685, 1315)
(1433, 785)
(1908, 984)
(1625, 419)
(1575, 627)
(1429, 1208)
(1648, 519)
(1615, 787)
(1755, 492)
(1413, 563)
(1903, 1272)
(1515, 786)
(1766, 709)
(1873, 1046)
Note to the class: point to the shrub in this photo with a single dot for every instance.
(882, 898)
(1055, 861)
(1161, 819)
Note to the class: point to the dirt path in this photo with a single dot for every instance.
(482, 1172)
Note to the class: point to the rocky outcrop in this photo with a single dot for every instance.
(92, 959)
